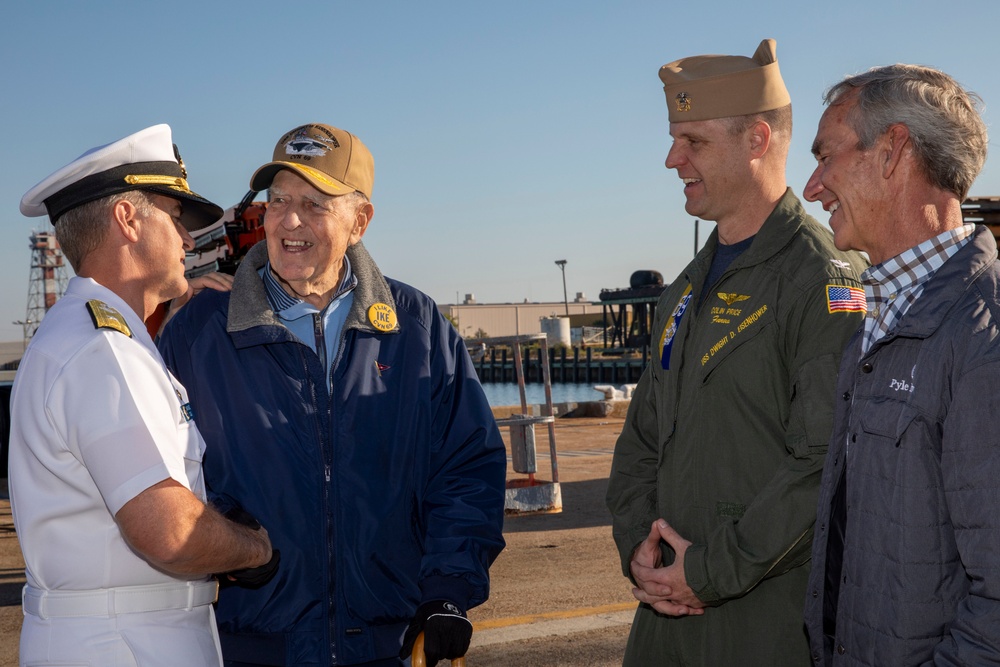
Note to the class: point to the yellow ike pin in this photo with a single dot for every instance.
(106, 317)
(382, 317)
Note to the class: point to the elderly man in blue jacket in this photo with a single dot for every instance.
(906, 569)
(341, 410)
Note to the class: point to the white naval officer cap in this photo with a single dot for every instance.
(147, 160)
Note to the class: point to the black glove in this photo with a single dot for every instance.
(447, 632)
(250, 577)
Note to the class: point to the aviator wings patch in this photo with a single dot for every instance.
(732, 297)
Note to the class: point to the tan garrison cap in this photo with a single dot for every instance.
(706, 87)
(334, 162)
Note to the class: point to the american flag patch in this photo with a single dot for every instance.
(840, 299)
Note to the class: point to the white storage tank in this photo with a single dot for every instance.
(556, 330)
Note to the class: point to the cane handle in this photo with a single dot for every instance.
(420, 660)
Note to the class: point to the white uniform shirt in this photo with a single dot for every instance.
(96, 419)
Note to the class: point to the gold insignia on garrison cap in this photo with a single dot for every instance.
(683, 102)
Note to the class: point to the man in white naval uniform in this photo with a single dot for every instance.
(105, 458)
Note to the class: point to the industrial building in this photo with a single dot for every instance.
(481, 320)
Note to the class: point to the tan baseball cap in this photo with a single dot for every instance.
(334, 161)
(706, 87)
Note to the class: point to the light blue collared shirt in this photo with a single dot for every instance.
(309, 323)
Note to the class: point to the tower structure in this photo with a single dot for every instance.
(47, 281)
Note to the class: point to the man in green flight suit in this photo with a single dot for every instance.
(715, 475)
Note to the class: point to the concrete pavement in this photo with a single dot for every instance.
(558, 596)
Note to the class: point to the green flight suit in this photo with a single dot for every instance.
(727, 443)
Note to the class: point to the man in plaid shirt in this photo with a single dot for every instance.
(905, 564)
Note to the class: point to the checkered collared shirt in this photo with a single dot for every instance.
(892, 286)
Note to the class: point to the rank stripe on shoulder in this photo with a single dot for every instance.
(106, 317)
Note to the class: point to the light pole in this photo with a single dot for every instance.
(561, 263)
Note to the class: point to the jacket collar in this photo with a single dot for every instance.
(249, 307)
(948, 285)
(372, 290)
(777, 232)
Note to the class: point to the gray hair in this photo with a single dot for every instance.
(943, 119)
(82, 229)
(356, 199)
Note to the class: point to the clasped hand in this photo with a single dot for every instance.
(665, 589)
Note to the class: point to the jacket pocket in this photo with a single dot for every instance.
(887, 419)
(894, 467)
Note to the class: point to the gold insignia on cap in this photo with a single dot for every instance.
(177, 154)
(153, 179)
(317, 175)
(683, 102)
(382, 317)
(106, 317)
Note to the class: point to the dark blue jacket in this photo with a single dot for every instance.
(382, 496)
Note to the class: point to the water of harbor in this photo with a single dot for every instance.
(506, 393)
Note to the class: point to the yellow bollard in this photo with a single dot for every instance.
(420, 660)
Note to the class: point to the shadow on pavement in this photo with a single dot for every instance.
(583, 507)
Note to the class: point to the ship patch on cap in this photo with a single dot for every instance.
(302, 143)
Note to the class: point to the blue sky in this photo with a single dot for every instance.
(505, 135)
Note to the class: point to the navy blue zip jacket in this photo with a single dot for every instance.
(385, 494)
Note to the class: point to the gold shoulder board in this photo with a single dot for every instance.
(106, 317)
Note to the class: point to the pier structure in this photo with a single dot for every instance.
(629, 312)
(586, 365)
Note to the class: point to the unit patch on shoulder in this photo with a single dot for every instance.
(106, 317)
(843, 299)
(670, 330)
(382, 317)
